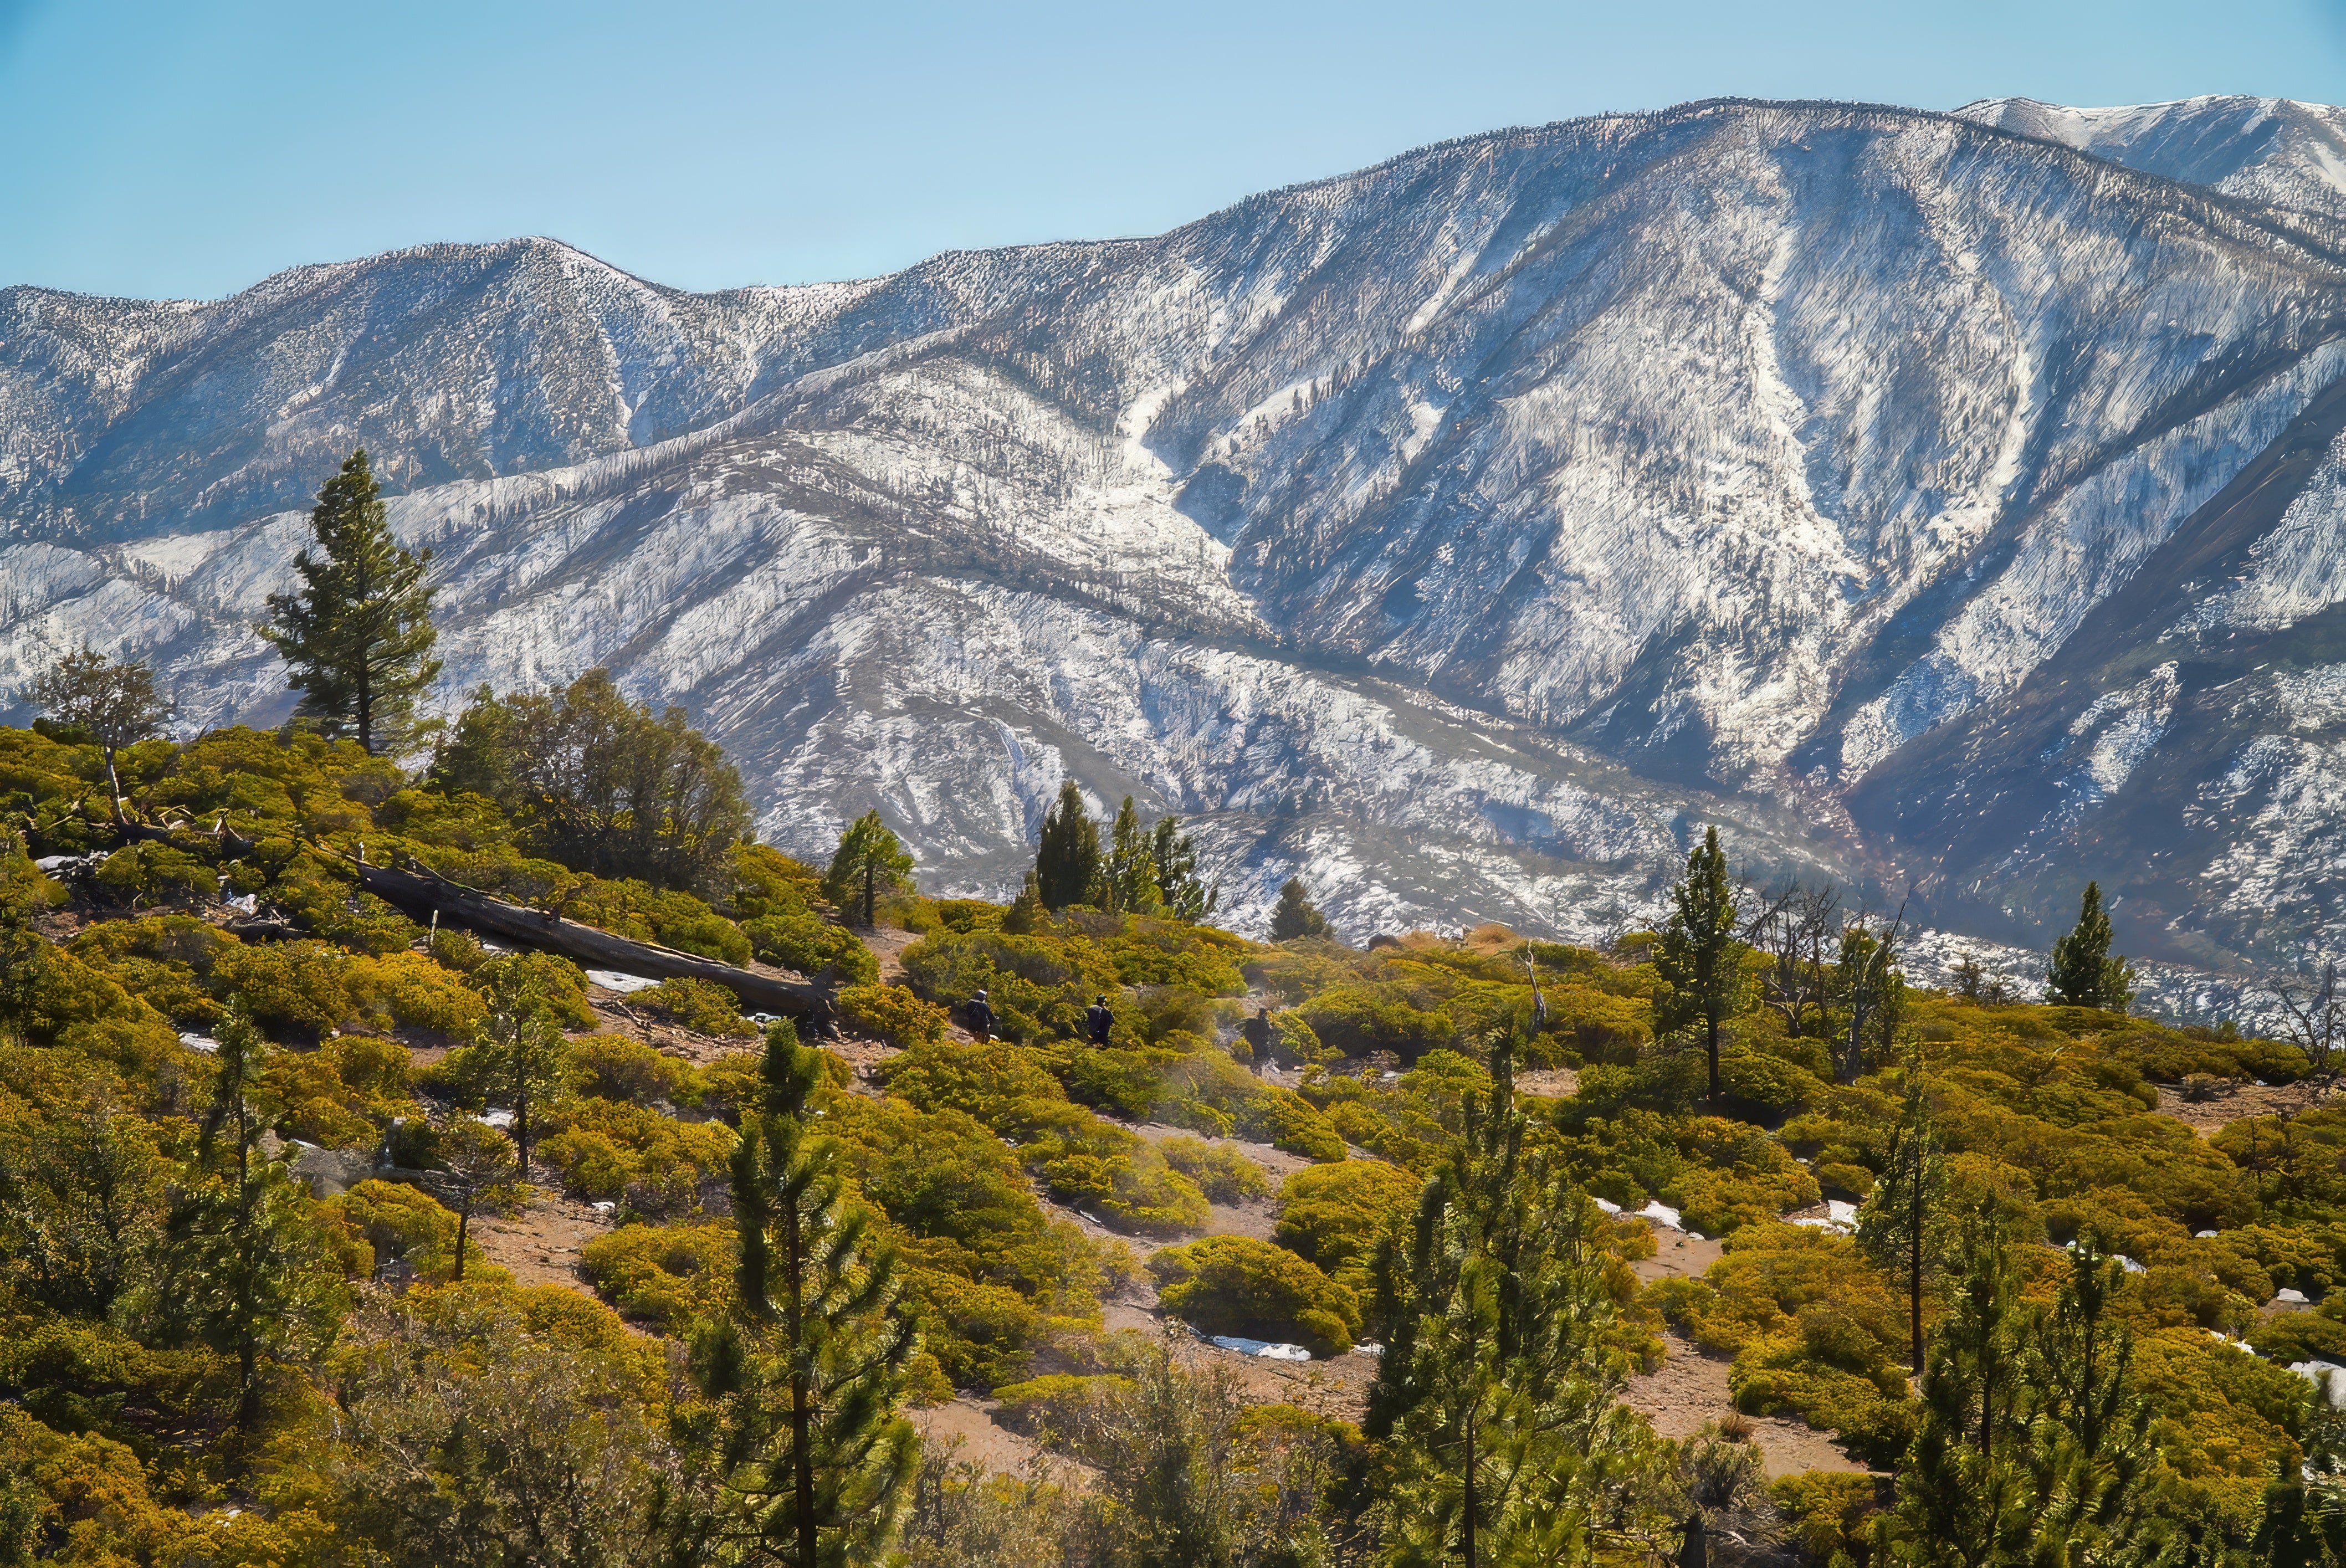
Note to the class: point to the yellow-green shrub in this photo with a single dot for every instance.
(613, 1067)
(703, 1006)
(668, 1276)
(1335, 1214)
(608, 1149)
(894, 1013)
(1238, 1284)
(1223, 1174)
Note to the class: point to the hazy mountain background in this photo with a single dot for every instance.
(1946, 502)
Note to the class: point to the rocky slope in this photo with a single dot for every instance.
(1929, 501)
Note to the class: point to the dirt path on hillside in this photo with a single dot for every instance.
(1688, 1390)
(540, 1246)
(2207, 1117)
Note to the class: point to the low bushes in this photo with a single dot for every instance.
(1236, 1285)
(612, 1150)
(1223, 1174)
(1334, 1215)
(668, 1275)
(894, 1013)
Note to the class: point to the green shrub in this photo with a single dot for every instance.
(894, 1013)
(1357, 1020)
(1285, 1120)
(1057, 1405)
(668, 1276)
(390, 1221)
(613, 1067)
(804, 941)
(1334, 1215)
(1146, 1194)
(157, 873)
(703, 1006)
(1240, 1286)
(618, 1152)
(1223, 1174)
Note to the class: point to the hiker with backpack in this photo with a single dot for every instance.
(980, 1017)
(1099, 1021)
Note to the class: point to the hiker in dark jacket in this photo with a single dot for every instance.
(981, 1018)
(1257, 1031)
(1099, 1020)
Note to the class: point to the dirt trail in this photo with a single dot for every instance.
(970, 1424)
(540, 1246)
(1688, 1390)
(2207, 1117)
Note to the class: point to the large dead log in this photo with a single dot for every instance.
(422, 892)
(420, 895)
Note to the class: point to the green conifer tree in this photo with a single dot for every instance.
(477, 1167)
(1495, 1402)
(1131, 870)
(243, 1268)
(1067, 866)
(1698, 953)
(870, 861)
(1899, 1226)
(1025, 911)
(523, 1056)
(806, 1369)
(2082, 974)
(358, 635)
(1295, 915)
(1964, 1495)
(1186, 894)
(2093, 1464)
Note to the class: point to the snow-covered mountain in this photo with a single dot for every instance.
(1924, 499)
(2273, 150)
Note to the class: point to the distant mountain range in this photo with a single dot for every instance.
(1953, 503)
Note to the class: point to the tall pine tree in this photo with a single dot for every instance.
(870, 861)
(1494, 1402)
(2092, 1466)
(358, 634)
(1898, 1226)
(813, 1459)
(1698, 953)
(1131, 871)
(1068, 869)
(243, 1268)
(1186, 893)
(1962, 1498)
(2082, 974)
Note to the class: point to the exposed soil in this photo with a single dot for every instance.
(1677, 1256)
(968, 1425)
(888, 944)
(2234, 1104)
(1688, 1390)
(1548, 1082)
(540, 1246)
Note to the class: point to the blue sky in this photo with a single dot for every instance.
(191, 148)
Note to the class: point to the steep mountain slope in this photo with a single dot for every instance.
(2273, 150)
(1462, 531)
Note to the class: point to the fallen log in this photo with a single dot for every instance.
(422, 892)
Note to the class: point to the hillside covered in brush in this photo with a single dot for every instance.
(286, 1176)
